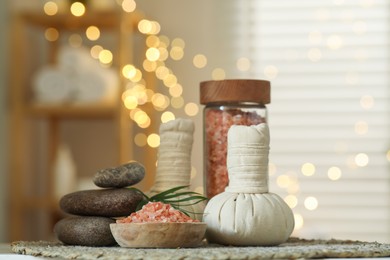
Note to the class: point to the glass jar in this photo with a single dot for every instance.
(228, 102)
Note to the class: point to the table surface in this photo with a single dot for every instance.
(5, 248)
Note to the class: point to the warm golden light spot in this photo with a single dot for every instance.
(177, 102)
(191, 109)
(95, 51)
(51, 34)
(128, 71)
(142, 119)
(149, 66)
(152, 54)
(133, 112)
(50, 8)
(367, 102)
(291, 200)
(164, 41)
(105, 57)
(176, 90)
(140, 139)
(362, 159)
(160, 101)
(311, 203)
(163, 54)
(283, 181)
(129, 6)
(156, 28)
(308, 169)
(77, 9)
(293, 187)
(170, 80)
(199, 61)
(146, 123)
(145, 26)
(92, 33)
(176, 53)
(335, 42)
(131, 102)
(314, 54)
(361, 127)
(178, 42)
(152, 41)
(388, 155)
(75, 40)
(149, 27)
(162, 72)
(218, 74)
(167, 116)
(243, 64)
(153, 140)
(271, 71)
(334, 173)
(137, 76)
(298, 219)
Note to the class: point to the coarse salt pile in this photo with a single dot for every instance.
(157, 212)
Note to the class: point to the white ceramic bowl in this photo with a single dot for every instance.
(159, 235)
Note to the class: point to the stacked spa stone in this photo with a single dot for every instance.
(94, 210)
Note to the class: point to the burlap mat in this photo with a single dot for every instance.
(294, 248)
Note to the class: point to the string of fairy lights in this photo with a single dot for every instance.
(160, 49)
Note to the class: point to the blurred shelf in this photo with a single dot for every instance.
(93, 111)
(121, 28)
(102, 19)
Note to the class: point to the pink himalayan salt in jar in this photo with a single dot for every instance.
(228, 102)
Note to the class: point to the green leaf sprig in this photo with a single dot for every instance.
(173, 197)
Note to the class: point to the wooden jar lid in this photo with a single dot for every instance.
(235, 90)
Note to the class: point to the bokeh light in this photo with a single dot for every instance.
(50, 8)
(199, 61)
(77, 9)
(128, 6)
(308, 169)
(191, 109)
(153, 140)
(311, 203)
(362, 159)
(92, 33)
(51, 34)
(334, 173)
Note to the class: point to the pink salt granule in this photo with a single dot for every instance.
(157, 212)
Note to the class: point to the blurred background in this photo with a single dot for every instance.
(85, 85)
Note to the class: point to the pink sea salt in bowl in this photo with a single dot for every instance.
(159, 235)
(158, 225)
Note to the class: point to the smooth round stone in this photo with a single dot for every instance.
(122, 176)
(101, 202)
(85, 231)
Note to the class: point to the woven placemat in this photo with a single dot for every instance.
(294, 248)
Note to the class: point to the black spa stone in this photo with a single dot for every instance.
(85, 231)
(122, 176)
(101, 202)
